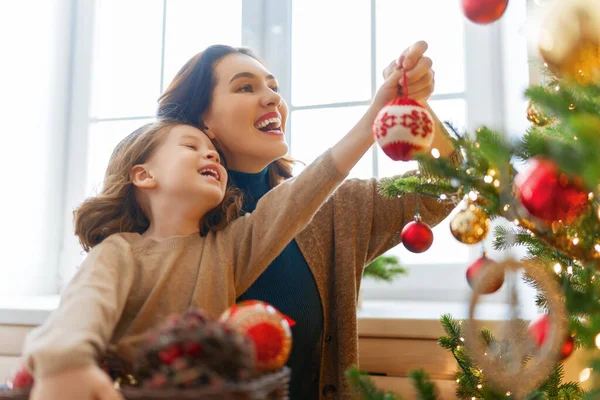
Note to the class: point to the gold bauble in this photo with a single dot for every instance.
(582, 64)
(569, 40)
(535, 116)
(471, 225)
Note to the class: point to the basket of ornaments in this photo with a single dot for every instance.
(241, 356)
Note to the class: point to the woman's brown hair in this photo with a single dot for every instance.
(115, 209)
(189, 95)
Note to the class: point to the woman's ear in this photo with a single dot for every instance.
(141, 177)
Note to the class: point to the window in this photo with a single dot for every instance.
(127, 52)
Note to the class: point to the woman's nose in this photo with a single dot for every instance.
(272, 99)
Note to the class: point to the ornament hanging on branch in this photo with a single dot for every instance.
(548, 194)
(569, 40)
(470, 226)
(267, 328)
(417, 236)
(474, 273)
(537, 117)
(403, 127)
(484, 11)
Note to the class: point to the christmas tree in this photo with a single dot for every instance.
(547, 185)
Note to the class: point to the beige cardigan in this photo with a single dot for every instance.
(355, 226)
(129, 284)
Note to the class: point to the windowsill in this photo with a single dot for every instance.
(421, 319)
(26, 310)
(376, 318)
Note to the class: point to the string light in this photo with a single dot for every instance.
(507, 394)
(473, 195)
(591, 196)
(479, 386)
(597, 340)
(557, 268)
(496, 183)
(443, 197)
(506, 207)
(462, 339)
(575, 241)
(569, 270)
(491, 172)
(585, 374)
(488, 179)
(516, 222)
(597, 247)
(435, 153)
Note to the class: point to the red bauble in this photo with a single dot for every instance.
(538, 330)
(21, 378)
(267, 328)
(475, 268)
(417, 236)
(568, 348)
(484, 11)
(548, 194)
(402, 128)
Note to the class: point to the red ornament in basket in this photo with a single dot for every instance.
(267, 328)
(20, 378)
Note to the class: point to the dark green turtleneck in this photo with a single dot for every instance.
(289, 286)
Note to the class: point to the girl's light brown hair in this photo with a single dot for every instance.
(115, 208)
(189, 95)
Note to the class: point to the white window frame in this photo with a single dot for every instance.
(267, 30)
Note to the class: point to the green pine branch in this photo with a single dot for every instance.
(384, 268)
(365, 388)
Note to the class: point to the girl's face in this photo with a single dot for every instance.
(247, 115)
(186, 169)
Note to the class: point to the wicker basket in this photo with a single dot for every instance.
(273, 386)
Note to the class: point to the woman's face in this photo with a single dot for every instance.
(247, 115)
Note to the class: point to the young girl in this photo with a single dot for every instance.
(148, 259)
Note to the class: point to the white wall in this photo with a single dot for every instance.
(34, 84)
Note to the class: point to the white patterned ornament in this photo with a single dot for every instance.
(402, 128)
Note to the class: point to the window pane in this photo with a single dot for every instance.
(127, 53)
(401, 23)
(331, 64)
(103, 138)
(193, 25)
(313, 131)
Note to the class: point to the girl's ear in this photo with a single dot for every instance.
(141, 177)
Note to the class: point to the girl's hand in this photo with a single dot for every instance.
(419, 75)
(85, 383)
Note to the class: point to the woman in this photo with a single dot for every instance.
(230, 95)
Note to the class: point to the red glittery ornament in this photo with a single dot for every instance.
(484, 11)
(549, 194)
(417, 237)
(475, 268)
(267, 328)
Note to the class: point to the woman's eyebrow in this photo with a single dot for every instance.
(248, 75)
